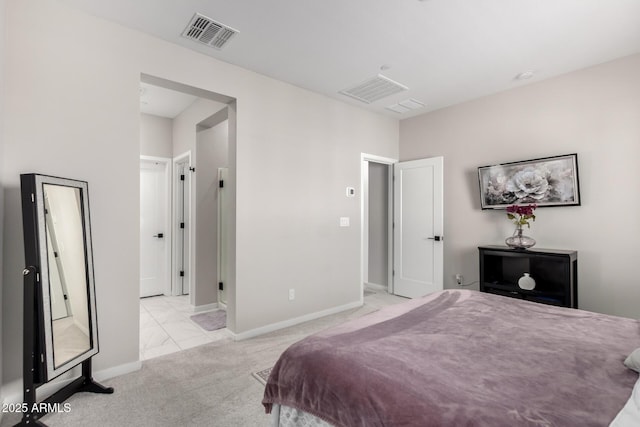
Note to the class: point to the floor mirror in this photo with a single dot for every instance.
(60, 319)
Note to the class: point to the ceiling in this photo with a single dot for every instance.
(444, 51)
(162, 102)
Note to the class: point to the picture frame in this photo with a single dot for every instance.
(547, 181)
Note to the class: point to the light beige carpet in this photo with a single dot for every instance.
(210, 385)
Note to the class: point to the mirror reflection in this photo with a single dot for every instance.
(68, 282)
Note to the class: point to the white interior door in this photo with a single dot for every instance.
(154, 263)
(418, 226)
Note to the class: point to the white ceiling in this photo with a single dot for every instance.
(444, 51)
(162, 102)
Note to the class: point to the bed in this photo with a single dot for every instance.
(459, 358)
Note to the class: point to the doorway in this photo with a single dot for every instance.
(377, 214)
(402, 225)
(177, 122)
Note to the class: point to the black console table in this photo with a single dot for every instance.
(555, 273)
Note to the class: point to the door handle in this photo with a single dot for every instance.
(436, 238)
(159, 235)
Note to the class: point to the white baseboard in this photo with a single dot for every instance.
(116, 371)
(292, 322)
(14, 393)
(376, 286)
(205, 307)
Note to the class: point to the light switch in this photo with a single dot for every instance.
(351, 192)
(344, 221)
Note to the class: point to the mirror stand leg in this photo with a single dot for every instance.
(89, 385)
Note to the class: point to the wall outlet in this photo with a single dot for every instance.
(459, 279)
(292, 294)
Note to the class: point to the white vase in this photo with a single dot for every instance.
(527, 282)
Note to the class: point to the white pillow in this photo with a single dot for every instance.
(633, 360)
(629, 416)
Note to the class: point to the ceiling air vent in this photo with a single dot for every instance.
(373, 89)
(207, 31)
(406, 105)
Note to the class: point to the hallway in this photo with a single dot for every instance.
(166, 327)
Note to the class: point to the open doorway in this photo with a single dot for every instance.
(411, 194)
(190, 129)
(377, 215)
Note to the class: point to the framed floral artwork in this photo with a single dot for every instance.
(550, 181)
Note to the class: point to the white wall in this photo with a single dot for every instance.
(156, 136)
(593, 112)
(74, 101)
(69, 114)
(185, 125)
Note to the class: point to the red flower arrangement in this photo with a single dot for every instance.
(521, 214)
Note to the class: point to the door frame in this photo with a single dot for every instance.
(167, 226)
(365, 159)
(184, 158)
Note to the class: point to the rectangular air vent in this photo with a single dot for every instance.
(207, 31)
(406, 105)
(398, 108)
(373, 89)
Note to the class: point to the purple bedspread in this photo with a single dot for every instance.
(462, 358)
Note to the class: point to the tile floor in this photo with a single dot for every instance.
(166, 327)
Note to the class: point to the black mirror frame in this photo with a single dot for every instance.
(36, 255)
(38, 362)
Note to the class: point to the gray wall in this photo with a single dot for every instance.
(2, 159)
(211, 147)
(594, 112)
(293, 154)
(378, 224)
(156, 136)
